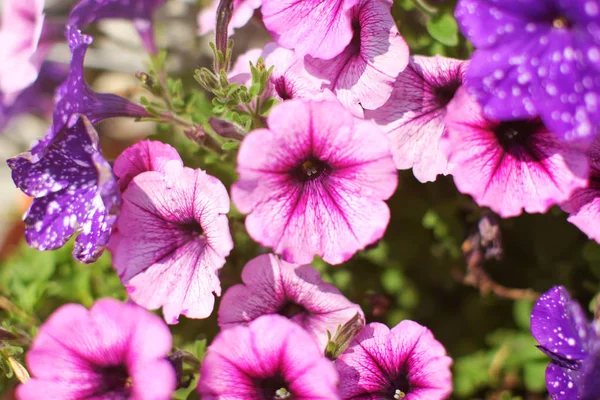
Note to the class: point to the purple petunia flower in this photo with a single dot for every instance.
(272, 286)
(363, 75)
(509, 166)
(413, 117)
(320, 28)
(536, 57)
(559, 325)
(313, 184)
(243, 10)
(25, 41)
(112, 351)
(173, 262)
(406, 362)
(74, 96)
(74, 190)
(139, 11)
(271, 358)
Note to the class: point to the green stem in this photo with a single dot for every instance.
(426, 8)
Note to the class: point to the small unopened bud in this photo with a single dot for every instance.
(145, 78)
(207, 79)
(19, 370)
(343, 336)
(7, 335)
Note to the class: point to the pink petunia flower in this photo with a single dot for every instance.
(143, 156)
(315, 184)
(320, 28)
(114, 350)
(509, 166)
(406, 362)
(413, 116)
(584, 204)
(243, 10)
(272, 358)
(273, 286)
(25, 41)
(172, 262)
(363, 75)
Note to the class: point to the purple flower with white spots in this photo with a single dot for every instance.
(560, 326)
(74, 190)
(74, 96)
(320, 28)
(536, 57)
(273, 286)
(139, 11)
(271, 358)
(113, 351)
(406, 362)
(413, 117)
(363, 74)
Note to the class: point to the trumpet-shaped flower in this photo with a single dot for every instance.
(363, 74)
(406, 362)
(413, 117)
(273, 286)
(509, 166)
(271, 358)
(313, 184)
(74, 190)
(112, 351)
(173, 262)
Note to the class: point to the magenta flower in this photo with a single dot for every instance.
(74, 96)
(25, 41)
(509, 166)
(560, 326)
(313, 184)
(536, 57)
(363, 75)
(114, 350)
(74, 190)
(243, 10)
(139, 11)
(143, 156)
(406, 362)
(584, 204)
(272, 358)
(273, 286)
(320, 28)
(173, 262)
(413, 117)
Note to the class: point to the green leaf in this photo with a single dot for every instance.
(444, 29)
(522, 313)
(534, 375)
(230, 145)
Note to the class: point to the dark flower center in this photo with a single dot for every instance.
(513, 135)
(356, 28)
(561, 22)
(401, 387)
(310, 169)
(282, 89)
(275, 388)
(291, 309)
(444, 94)
(193, 227)
(115, 379)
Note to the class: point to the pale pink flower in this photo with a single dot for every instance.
(273, 286)
(406, 362)
(271, 358)
(243, 10)
(315, 182)
(363, 74)
(509, 166)
(172, 238)
(413, 117)
(112, 351)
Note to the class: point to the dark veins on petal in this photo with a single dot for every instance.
(274, 388)
(310, 169)
(282, 89)
(515, 136)
(115, 380)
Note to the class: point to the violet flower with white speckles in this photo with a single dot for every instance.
(273, 286)
(536, 57)
(74, 96)
(560, 326)
(74, 189)
(139, 11)
(413, 117)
